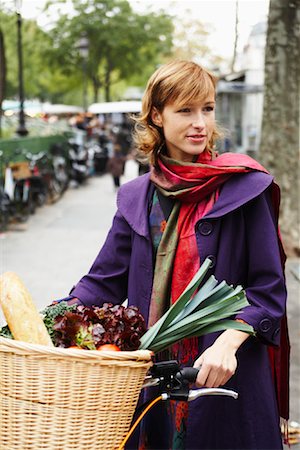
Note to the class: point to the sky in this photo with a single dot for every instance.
(220, 14)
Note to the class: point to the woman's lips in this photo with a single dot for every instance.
(196, 138)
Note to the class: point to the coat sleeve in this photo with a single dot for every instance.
(266, 288)
(107, 279)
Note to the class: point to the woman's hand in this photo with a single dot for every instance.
(218, 363)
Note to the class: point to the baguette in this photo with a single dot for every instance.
(22, 316)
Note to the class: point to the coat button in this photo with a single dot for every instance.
(205, 228)
(265, 325)
(213, 261)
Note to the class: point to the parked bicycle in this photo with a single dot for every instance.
(16, 198)
(5, 209)
(37, 181)
(60, 165)
(49, 175)
(29, 180)
(79, 162)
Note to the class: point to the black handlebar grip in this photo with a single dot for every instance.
(188, 374)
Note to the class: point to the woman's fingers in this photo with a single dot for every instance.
(214, 373)
(202, 376)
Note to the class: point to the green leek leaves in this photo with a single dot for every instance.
(211, 309)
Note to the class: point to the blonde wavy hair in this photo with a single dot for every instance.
(180, 81)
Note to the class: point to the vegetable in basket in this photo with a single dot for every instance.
(111, 327)
(193, 314)
(93, 327)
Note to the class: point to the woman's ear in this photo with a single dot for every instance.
(156, 117)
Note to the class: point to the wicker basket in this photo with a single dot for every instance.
(59, 399)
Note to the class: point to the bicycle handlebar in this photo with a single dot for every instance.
(188, 374)
(173, 382)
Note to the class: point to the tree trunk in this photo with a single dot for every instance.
(236, 35)
(96, 86)
(107, 81)
(107, 85)
(95, 93)
(2, 76)
(279, 148)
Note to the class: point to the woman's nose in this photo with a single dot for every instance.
(198, 121)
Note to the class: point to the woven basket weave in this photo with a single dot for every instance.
(59, 399)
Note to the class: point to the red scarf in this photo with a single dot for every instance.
(197, 186)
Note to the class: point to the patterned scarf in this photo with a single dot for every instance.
(195, 187)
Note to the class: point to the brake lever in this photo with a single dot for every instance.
(150, 381)
(195, 393)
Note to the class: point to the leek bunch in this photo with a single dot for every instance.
(211, 309)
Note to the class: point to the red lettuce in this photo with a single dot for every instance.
(91, 327)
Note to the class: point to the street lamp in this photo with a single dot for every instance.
(83, 47)
(21, 131)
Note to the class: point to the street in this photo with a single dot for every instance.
(59, 243)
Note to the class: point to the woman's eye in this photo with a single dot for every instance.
(209, 108)
(185, 110)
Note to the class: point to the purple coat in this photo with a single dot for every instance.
(240, 235)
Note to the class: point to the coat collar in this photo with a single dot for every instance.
(240, 189)
(135, 197)
(133, 203)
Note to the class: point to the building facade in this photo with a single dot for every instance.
(240, 97)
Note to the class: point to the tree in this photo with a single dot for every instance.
(120, 41)
(2, 75)
(9, 30)
(35, 42)
(236, 35)
(279, 148)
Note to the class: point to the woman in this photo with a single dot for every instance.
(192, 205)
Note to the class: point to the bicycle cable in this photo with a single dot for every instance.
(156, 400)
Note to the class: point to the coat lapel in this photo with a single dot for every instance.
(239, 190)
(133, 203)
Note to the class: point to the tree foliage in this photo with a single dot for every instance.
(122, 45)
(124, 49)
(35, 44)
(120, 41)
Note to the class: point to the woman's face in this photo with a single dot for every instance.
(187, 129)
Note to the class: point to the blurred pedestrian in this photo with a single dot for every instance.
(115, 166)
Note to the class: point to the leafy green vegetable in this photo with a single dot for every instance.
(49, 315)
(211, 309)
(51, 312)
(92, 327)
(5, 332)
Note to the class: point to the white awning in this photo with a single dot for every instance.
(115, 107)
(49, 108)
